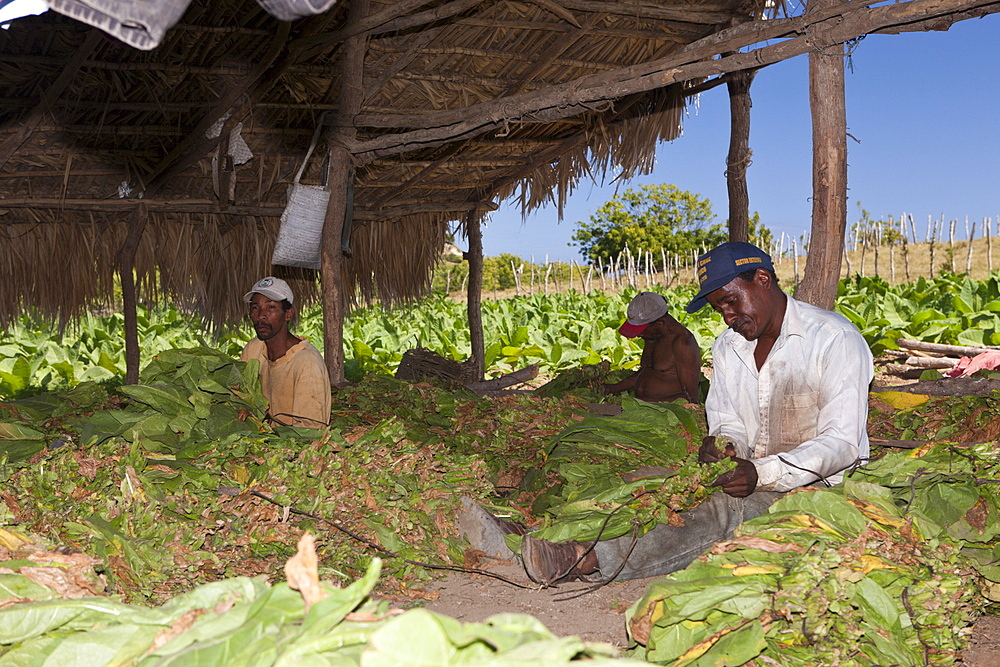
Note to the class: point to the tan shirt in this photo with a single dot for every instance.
(297, 385)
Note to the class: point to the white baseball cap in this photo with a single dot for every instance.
(644, 309)
(273, 288)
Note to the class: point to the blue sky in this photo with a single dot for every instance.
(924, 108)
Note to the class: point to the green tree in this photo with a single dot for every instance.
(646, 220)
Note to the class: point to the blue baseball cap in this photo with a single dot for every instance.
(718, 266)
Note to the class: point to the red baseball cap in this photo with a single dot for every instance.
(644, 309)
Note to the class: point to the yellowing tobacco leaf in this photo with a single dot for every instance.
(901, 400)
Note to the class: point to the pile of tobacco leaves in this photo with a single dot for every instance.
(246, 621)
(890, 568)
(169, 488)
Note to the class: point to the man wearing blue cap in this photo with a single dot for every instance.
(788, 398)
(670, 366)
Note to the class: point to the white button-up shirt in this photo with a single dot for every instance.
(804, 414)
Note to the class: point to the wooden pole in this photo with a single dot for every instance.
(930, 248)
(342, 134)
(877, 235)
(829, 210)
(971, 237)
(951, 244)
(475, 295)
(126, 272)
(989, 243)
(738, 159)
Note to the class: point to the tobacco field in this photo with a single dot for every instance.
(147, 525)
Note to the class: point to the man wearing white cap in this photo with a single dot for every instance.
(671, 359)
(292, 372)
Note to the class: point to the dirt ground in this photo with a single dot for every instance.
(599, 616)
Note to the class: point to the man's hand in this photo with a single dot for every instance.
(739, 482)
(708, 452)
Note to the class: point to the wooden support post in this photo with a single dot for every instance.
(738, 159)
(341, 162)
(829, 211)
(126, 272)
(475, 295)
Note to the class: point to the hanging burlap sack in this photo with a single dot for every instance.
(301, 231)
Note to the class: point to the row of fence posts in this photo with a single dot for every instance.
(641, 271)
(647, 270)
(880, 238)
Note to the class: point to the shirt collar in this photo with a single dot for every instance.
(791, 325)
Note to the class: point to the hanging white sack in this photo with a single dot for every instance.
(301, 231)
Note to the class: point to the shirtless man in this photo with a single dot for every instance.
(671, 359)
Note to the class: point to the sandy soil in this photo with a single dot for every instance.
(599, 616)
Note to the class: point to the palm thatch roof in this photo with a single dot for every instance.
(464, 103)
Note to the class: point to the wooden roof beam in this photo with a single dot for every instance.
(704, 13)
(497, 54)
(417, 207)
(394, 19)
(617, 32)
(802, 33)
(152, 205)
(450, 151)
(12, 143)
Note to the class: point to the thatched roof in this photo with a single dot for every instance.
(465, 103)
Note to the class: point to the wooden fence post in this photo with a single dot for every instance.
(877, 234)
(933, 239)
(971, 236)
(951, 244)
(989, 243)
